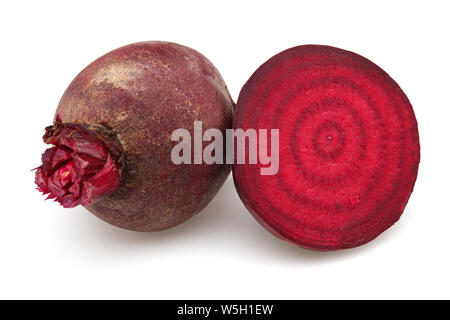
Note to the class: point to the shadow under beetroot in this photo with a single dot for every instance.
(224, 223)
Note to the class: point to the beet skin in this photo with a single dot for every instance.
(348, 148)
(128, 103)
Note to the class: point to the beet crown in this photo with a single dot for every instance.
(83, 165)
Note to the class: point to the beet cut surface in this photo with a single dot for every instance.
(349, 148)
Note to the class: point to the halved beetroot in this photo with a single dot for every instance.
(348, 148)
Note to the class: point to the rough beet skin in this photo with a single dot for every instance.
(349, 148)
(112, 136)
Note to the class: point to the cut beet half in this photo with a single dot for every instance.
(348, 148)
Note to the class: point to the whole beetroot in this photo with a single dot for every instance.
(112, 136)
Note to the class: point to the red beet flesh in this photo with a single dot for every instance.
(112, 136)
(349, 148)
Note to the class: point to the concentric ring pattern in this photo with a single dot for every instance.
(348, 147)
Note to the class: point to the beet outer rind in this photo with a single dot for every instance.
(349, 148)
(141, 93)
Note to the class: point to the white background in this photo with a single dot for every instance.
(49, 252)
